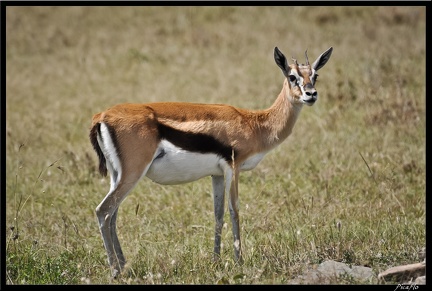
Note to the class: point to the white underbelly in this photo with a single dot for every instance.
(173, 165)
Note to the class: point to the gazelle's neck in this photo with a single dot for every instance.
(280, 118)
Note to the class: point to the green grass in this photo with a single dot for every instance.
(348, 184)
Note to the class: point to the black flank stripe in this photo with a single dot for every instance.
(195, 142)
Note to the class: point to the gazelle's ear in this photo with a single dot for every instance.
(322, 59)
(282, 62)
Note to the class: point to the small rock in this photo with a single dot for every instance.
(330, 272)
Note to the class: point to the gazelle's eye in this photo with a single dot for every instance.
(292, 78)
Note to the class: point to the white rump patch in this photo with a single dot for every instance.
(107, 146)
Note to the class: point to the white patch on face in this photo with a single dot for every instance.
(299, 81)
(107, 146)
(172, 165)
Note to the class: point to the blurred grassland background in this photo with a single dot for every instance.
(348, 184)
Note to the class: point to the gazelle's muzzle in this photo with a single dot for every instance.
(310, 94)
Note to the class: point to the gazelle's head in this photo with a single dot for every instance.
(301, 78)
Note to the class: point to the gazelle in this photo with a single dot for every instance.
(176, 142)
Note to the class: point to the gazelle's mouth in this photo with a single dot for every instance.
(309, 101)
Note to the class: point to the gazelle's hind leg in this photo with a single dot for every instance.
(107, 214)
(117, 248)
(124, 173)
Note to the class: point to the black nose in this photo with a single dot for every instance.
(310, 90)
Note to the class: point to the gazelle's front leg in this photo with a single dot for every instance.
(234, 212)
(219, 202)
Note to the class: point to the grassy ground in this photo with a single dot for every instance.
(347, 185)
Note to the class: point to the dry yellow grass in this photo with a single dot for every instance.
(356, 157)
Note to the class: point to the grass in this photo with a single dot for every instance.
(348, 184)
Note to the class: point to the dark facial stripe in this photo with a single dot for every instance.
(195, 142)
(308, 86)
